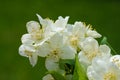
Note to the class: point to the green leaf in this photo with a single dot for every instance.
(63, 62)
(104, 41)
(79, 72)
(56, 75)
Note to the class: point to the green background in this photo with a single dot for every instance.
(103, 15)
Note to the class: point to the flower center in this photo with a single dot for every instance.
(116, 61)
(90, 56)
(74, 41)
(55, 54)
(109, 76)
(37, 35)
(28, 53)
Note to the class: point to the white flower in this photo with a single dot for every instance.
(75, 34)
(48, 77)
(30, 52)
(35, 30)
(29, 42)
(103, 69)
(78, 32)
(90, 49)
(55, 49)
(37, 34)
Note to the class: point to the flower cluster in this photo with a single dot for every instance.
(58, 40)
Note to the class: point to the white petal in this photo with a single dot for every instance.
(60, 23)
(27, 39)
(69, 27)
(32, 26)
(79, 26)
(51, 64)
(93, 34)
(104, 50)
(83, 59)
(101, 64)
(89, 45)
(26, 51)
(56, 40)
(33, 59)
(67, 53)
(43, 50)
(79, 29)
(44, 22)
(48, 77)
(93, 75)
(39, 17)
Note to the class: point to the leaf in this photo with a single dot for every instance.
(63, 62)
(79, 72)
(104, 41)
(56, 75)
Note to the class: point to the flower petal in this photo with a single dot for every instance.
(43, 50)
(26, 51)
(67, 53)
(104, 50)
(56, 41)
(48, 77)
(89, 45)
(83, 59)
(45, 22)
(51, 64)
(92, 33)
(92, 75)
(33, 59)
(60, 23)
(27, 39)
(32, 26)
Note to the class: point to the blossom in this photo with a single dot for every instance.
(37, 34)
(91, 49)
(48, 77)
(29, 42)
(78, 32)
(58, 40)
(104, 68)
(55, 49)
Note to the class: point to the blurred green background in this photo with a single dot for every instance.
(104, 15)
